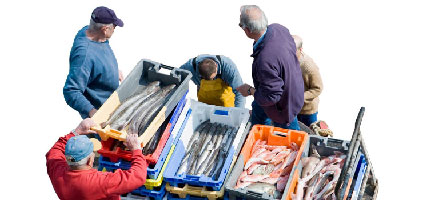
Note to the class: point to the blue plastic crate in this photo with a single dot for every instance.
(179, 133)
(156, 193)
(178, 111)
(358, 177)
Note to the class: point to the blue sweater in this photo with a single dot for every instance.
(227, 70)
(277, 75)
(93, 74)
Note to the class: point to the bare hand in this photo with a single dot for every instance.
(84, 127)
(132, 142)
(243, 89)
(92, 112)
(120, 76)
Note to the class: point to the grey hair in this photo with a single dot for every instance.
(254, 23)
(298, 41)
(97, 26)
(78, 163)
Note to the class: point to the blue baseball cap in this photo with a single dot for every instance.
(78, 147)
(105, 15)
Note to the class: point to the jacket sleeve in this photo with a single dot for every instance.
(269, 90)
(124, 181)
(76, 84)
(316, 84)
(232, 77)
(56, 156)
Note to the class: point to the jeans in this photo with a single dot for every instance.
(307, 119)
(258, 116)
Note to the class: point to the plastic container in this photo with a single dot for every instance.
(273, 136)
(325, 147)
(118, 152)
(144, 72)
(201, 112)
(358, 177)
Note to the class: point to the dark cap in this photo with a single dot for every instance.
(105, 15)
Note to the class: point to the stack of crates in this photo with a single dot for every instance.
(184, 186)
(166, 122)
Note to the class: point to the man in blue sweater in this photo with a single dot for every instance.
(93, 74)
(278, 84)
(216, 77)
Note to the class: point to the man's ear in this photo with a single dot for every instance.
(90, 161)
(104, 29)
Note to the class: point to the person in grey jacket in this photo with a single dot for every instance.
(278, 84)
(217, 78)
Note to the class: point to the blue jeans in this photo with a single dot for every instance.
(307, 119)
(258, 116)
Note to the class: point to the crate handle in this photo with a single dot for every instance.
(221, 112)
(192, 177)
(278, 133)
(166, 67)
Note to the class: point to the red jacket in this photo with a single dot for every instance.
(92, 184)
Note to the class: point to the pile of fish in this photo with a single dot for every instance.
(208, 149)
(268, 168)
(319, 176)
(137, 111)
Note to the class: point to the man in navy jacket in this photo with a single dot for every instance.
(278, 85)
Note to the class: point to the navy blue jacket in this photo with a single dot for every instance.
(277, 75)
(93, 74)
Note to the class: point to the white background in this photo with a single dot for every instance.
(369, 54)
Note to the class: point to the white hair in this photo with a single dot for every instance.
(298, 41)
(82, 162)
(255, 24)
(97, 26)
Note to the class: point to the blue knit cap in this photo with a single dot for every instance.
(78, 147)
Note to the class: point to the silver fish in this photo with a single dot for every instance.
(150, 88)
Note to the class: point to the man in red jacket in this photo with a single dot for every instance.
(70, 167)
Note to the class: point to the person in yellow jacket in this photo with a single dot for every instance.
(217, 78)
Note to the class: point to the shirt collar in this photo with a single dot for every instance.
(259, 40)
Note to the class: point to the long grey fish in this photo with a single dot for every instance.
(195, 154)
(139, 122)
(217, 170)
(143, 106)
(155, 108)
(184, 163)
(213, 149)
(149, 89)
(187, 160)
(218, 152)
(124, 119)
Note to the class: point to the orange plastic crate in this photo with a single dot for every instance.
(274, 136)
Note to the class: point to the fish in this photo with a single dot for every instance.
(254, 178)
(291, 158)
(225, 151)
(149, 89)
(125, 118)
(242, 184)
(262, 188)
(310, 163)
(270, 180)
(148, 111)
(251, 161)
(332, 183)
(281, 183)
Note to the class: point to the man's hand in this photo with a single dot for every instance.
(84, 127)
(120, 76)
(92, 112)
(243, 89)
(132, 142)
